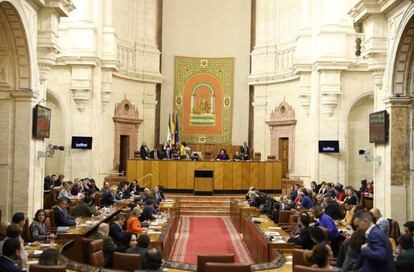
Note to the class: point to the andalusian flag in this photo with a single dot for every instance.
(169, 129)
(172, 129)
(176, 129)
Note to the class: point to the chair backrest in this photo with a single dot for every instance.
(96, 257)
(46, 268)
(85, 249)
(207, 155)
(26, 235)
(202, 259)
(284, 216)
(54, 193)
(226, 267)
(98, 199)
(301, 268)
(257, 156)
(271, 157)
(395, 230)
(125, 261)
(298, 258)
(48, 220)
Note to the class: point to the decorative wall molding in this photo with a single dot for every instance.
(81, 86)
(282, 124)
(330, 91)
(126, 122)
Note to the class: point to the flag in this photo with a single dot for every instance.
(176, 129)
(169, 129)
(172, 129)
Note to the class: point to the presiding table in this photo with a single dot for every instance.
(226, 175)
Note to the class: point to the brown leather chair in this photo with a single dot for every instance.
(46, 268)
(301, 268)
(48, 220)
(207, 155)
(98, 199)
(126, 262)
(284, 217)
(54, 193)
(394, 229)
(226, 267)
(257, 156)
(96, 257)
(26, 235)
(202, 259)
(271, 157)
(85, 249)
(298, 258)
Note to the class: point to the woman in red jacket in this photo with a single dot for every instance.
(133, 223)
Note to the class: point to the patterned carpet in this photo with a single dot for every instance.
(210, 235)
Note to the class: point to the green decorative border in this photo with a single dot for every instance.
(223, 70)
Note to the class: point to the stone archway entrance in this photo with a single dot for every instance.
(282, 132)
(126, 119)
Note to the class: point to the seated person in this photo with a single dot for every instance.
(304, 238)
(321, 254)
(85, 208)
(153, 259)
(141, 248)
(106, 188)
(237, 156)
(305, 200)
(381, 221)
(405, 248)
(244, 150)
(134, 188)
(129, 243)
(37, 228)
(352, 247)
(155, 154)
(115, 230)
(133, 223)
(109, 245)
(332, 208)
(144, 151)
(12, 254)
(409, 228)
(111, 197)
(66, 191)
(61, 215)
(148, 212)
(222, 156)
(349, 214)
(158, 194)
(124, 193)
(325, 221)
(49, 257)
(195, 156)
(19, 219)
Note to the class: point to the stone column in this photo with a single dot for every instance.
(27, 195)
(149, 104)
(260, 115)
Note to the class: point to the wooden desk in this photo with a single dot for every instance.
(238, 209)
(257, 242)
(86, 227)
(228, 175)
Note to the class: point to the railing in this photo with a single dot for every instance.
(141, 178)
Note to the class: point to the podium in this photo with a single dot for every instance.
(203, 182)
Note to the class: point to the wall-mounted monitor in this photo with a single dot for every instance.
(378, 127)
(81, 142)
(328, 146)
(41, 122)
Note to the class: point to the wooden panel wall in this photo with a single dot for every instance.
(228, 175)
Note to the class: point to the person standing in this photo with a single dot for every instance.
(244, 150)
(377, 254)
(144, 151)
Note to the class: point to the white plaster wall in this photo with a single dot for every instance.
(358, 135)
(210, 28)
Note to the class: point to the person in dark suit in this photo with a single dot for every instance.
(332, 208)
(61, 216)
(12, 254)
(144, 151)
(377, 253)
(149, 211)
(111, 197)
(158, 195)
(304, 238)
(244, 150)
(108, 243)
(143, 243)
(115, 230)
(84, 208)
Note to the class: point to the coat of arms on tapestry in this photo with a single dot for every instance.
(203, 99)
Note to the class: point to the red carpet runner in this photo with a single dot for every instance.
(211, 235)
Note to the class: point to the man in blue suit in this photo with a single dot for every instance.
(12, 253)
(61, 216)
(377, 253)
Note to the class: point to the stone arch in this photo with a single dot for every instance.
(15, 62)
(357, 137)
(58, 134)
(401, 61)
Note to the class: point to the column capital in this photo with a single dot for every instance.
(398, 101)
